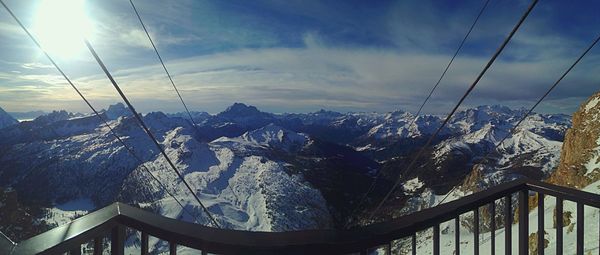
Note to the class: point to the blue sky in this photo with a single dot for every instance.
(299, 56)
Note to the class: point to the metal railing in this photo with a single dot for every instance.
(114, 220)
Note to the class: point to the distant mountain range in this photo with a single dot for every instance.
(270, 172)
(30, 115)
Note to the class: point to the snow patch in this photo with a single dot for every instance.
(592, 103)
(413, 184)
(80, 204)
(66, 212)
(364, 148)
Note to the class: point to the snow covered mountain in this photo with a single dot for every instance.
(253, 181)
(6, 120)
(533, 151)
(398, 124)
(117, 110)
(265, 137)
(264, 171)
(454, 163)
(242, 187)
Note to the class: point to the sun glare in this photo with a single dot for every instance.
(61, 25)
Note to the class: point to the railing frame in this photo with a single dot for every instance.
(114, 218)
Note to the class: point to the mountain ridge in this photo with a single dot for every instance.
(323, 162)
(6, 119)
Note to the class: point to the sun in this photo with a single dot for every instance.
(61, 25)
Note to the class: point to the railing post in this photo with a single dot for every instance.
(144, 242)
(76, 251)
(580, 222)
(98, 246)
(457, 235)
(436, 239)
(524, 222)
(117, 240)
(414, 243)
(507, 225)
(493, 227)
(172, 248)
(476, 231)
(540, 240)
(559, 225)
(388, 248)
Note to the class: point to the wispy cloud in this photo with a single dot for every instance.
(44, 79)
(302, 56)
(10, 29)
(36, 65)
(359, 79)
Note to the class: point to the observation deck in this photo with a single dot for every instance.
(114, 219)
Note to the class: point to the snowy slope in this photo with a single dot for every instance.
(447, 230)
(535, 146)
(532, 151)
(398, 125)
(267, 136)
(247, 192)
(453, 164)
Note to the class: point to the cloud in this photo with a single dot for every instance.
(136, 38)
(46, 79)
(306, 56)
(36, 65)
(357, 79)
(11, 29)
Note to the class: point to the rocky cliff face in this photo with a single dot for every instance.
(580, 157)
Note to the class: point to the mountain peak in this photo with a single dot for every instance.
(246, 115)
(494, 108)
(327, 113)
(321, 111)
(117, 110)
(54, 116)
(238, 109)
(6, 120)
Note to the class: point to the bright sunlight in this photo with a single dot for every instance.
(60, 26)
